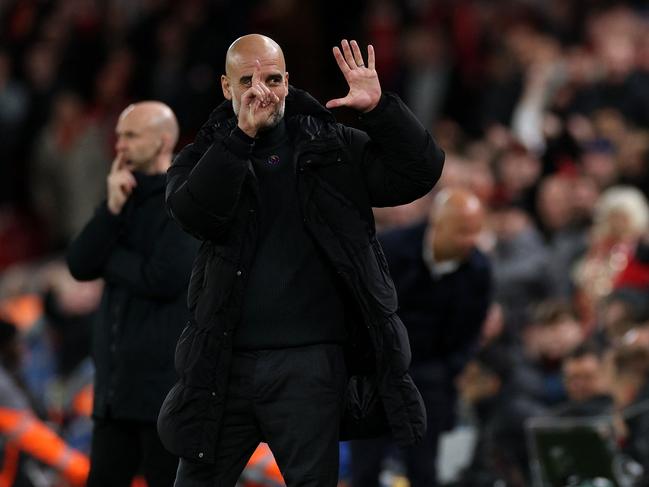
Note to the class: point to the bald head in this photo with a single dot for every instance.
(456, 221)
(154, 115)
(455, 203)
(251, 47)
(147, 133)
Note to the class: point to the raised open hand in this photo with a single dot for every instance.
(364, 87)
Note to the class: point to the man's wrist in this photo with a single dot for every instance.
(249, 131)
(376, 109)
(112, 210)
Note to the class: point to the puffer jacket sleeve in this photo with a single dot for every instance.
(400, 160)
(204, 184)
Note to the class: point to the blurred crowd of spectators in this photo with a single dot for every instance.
(542, 107)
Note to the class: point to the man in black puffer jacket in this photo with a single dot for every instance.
(145, 261)
(294, 338)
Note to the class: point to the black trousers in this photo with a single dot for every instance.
(122, 449)
(290, 398)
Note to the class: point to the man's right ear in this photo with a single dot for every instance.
(225, 86)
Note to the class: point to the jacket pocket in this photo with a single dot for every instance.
(188, 423)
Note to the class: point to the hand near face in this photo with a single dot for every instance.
(121, 183)
(363, 80)
(259, 105)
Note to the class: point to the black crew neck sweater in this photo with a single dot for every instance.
(292, 297)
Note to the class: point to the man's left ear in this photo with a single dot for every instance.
(165, 144)
(286, 81)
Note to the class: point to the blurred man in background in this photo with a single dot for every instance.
(444, 286)
(145, 260)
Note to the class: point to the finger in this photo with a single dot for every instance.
(338, 102)
(349, 57)
(256, 74)
(260, 94)
(340, 60)
(248, 97)
(127, 186)
(266, 93)
(358, 56)
(251, 95)
(126, 178)
(370, 57)
(118, 162)
(254, 106)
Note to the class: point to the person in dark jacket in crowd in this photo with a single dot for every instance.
(294, 338)
(145, 260)
(488, 384)
(444, 286)
(630, 387)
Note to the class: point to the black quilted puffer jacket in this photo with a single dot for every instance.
(341, 174)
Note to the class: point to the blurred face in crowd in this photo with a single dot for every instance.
(618, 54)
(618, 225)
(600, 166)
(554, 203)
(509, 223)
(553, 341)
(457, 219)
(241, 61)
(584, 193)
(518, 170)
(584, 377)
(628, 366)
(626, 383)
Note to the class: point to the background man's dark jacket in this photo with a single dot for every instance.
(145, 260)
(341, 173)
(443, 314)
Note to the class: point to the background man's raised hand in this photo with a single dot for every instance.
(363, 80)
(120, 184)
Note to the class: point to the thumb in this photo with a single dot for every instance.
(337, 102)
